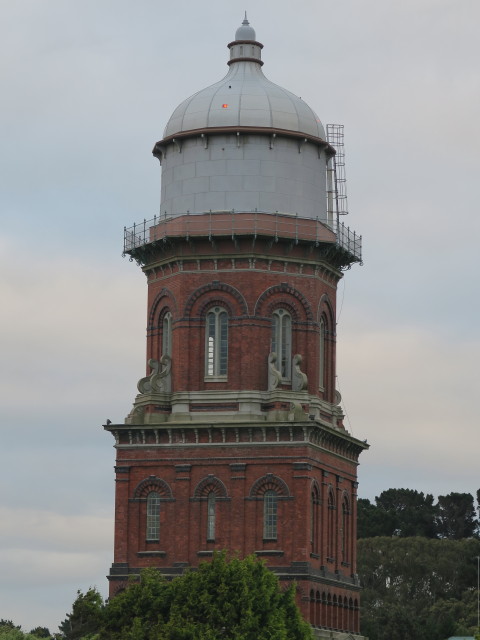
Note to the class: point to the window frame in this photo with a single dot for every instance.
(282, 342)
(152, 524)
(211, 515)
(270, 515)
(322, 355)
(216, 344)
(167, 334)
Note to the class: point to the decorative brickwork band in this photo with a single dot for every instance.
(217, 287)
(152, 483)
(277, 291)
(269, 482)
(208, 484)
(164, 296)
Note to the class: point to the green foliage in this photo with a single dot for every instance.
(399, 512)
(406, 512)
(41, 632)
(85, 618)
(236, 599)
(7, 625)
(418, 588)
(456, 517)
(10, 631)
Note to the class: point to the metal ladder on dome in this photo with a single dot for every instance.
(336, 178)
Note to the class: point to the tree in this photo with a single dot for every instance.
(236, 599)
(373, 521)
(41, 632)
(86, 615)
(456, 517)
(413, 511)
(417, 588)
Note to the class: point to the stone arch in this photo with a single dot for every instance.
(269, 482)
(325, 309)
(164, 298)
(284, 294)
(152, 483)
(218, 288)
(208, 484)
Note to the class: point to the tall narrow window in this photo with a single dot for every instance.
(167, 334)
(270, 503)
(321, 356)
(153, 516)
(216, 347)
(282, 341)
(314, 519)
(331, 531)
(345, 531)
(211, 516)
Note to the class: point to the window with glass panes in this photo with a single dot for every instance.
(167, 334)
(216, 344)
(282, 341)
(211, 516)
(153, 516)
(270, 505)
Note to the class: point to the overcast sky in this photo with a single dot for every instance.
(86, 90)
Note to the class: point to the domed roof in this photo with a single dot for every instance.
(245, 98)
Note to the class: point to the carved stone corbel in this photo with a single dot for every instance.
(299, 379)
(160, 380)
(274, 375)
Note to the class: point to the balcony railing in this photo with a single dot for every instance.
(235, 224)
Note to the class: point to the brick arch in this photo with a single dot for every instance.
(325, 309)
(331, 496)
(152, 483)
(161, 297)
(219, 288)
(283, 294)
(208, 484)
(267, 482)
(346, 500)
(209, 303)
(315, 487)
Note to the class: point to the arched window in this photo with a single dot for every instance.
(270, 504)
(167, 334)
(345, 530)
(211, 516)
(321, 356)
(331, 532)
(282, 341)
(216, 343)
(153, 516)
(314, 519)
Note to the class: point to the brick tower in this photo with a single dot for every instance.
(236, 438)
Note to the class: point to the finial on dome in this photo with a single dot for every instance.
(245, 32)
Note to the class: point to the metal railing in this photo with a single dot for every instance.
(231, 223)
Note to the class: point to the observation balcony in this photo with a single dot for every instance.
(141, 237)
